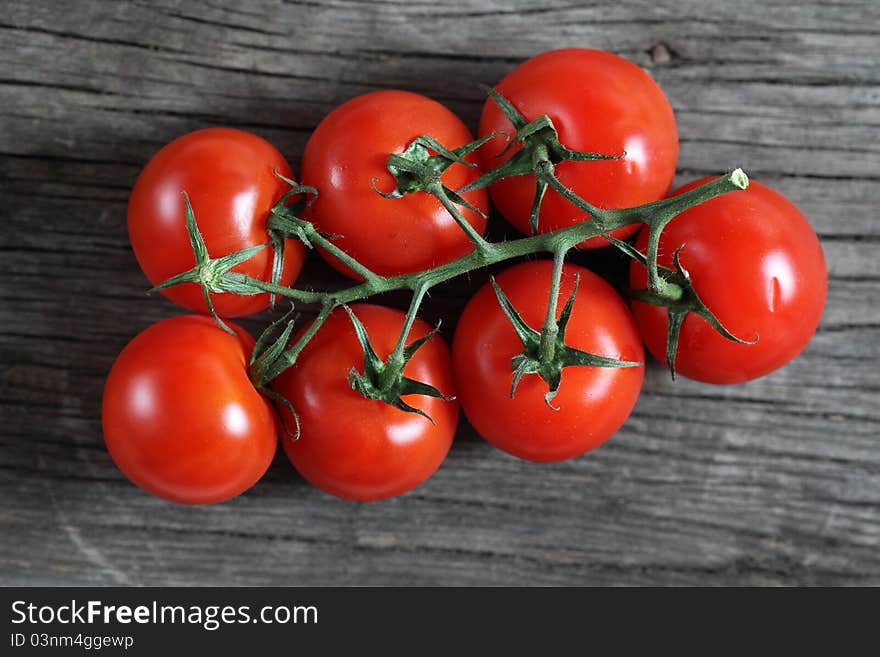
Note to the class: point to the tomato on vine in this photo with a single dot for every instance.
(591, 403)
(230, 178)
(347, 160)
(598, 103)
(181, 418)
(547, 359)
(359, 448)
(756, 263)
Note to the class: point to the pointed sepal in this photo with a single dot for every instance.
(517, 120)
(527, 335)
(268, 349)
(519, 164)
(282, 401)
(372, 362)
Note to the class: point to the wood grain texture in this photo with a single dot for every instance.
(773, 482)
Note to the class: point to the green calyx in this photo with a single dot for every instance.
(541, 151)
(545, 352)
(266, 352)
(385, 381)
(284, 223)
(213, 275)
(267, 349)
(417, 170)
(683, 300)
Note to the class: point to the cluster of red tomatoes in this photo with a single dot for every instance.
(182, 418)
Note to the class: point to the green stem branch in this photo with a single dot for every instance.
(500, 252)
(598, 215)
(655, 281)
(396, 360)
(436, 189)
(350, 262)
(547, 346)
(655, 215)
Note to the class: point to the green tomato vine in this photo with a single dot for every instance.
(419, 170)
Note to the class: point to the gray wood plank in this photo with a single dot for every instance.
(773, 482)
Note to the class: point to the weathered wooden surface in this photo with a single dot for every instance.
(777, 481)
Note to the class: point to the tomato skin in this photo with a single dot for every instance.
(350, 148)
(229, 177)
(599, 103)
(593, 402)
(181, 419)
(357, 448)
(756, 263)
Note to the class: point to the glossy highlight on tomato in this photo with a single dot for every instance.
(757, 264)
(229, 177)
(599, 103)
(593, 402)
(358, 448)
(347, 154)
(181, 419)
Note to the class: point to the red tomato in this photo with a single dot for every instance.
(181, 419)
(758, 266)
(229, 177)
(593, 402)
(350, 148)
(600, 103)
(358, 448)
